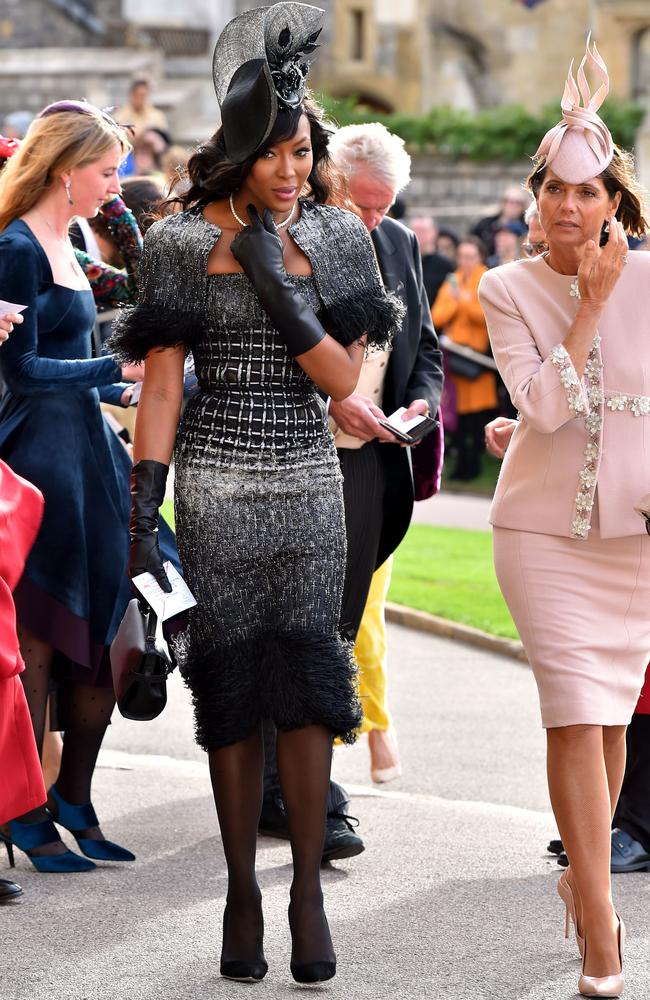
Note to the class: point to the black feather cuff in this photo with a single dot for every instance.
(142, 328)
(377, 313)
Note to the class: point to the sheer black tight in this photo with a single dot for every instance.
(304, 762)
(236, 773)
(304, 759)
(86, 711)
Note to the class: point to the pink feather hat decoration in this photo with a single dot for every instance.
(580, 146)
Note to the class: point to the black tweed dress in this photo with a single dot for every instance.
(258, 499)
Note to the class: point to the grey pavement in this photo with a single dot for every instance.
(454, 897)
(454, 510)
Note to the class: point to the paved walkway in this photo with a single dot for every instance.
(454, 897)
(454, 510)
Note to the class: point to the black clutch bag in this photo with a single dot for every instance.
(139, 666)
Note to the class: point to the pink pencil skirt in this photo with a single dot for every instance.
(582, 610)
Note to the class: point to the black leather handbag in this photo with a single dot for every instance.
(140, 667)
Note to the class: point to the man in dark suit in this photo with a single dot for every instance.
(378, 480)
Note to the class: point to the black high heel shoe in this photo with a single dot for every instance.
(242, 970)
(311, 973)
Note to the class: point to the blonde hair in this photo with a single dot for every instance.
(53, 144)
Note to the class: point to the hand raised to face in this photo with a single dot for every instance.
(600, 268)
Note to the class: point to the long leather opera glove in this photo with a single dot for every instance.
(258, 248)
(148, 480)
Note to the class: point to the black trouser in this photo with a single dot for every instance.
(364, 487)
(469, 442)
(633, 809)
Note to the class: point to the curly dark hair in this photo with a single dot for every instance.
(618, 176)
(212, 176)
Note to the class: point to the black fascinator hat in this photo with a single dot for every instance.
(260, 63)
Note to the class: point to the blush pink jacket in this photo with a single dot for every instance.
(529, 309)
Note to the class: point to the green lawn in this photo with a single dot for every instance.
(167, 511)
(447, 572)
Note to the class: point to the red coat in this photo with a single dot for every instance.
(21, 779)
(643, 704)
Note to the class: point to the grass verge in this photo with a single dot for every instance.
(445, 571)
(449, 572)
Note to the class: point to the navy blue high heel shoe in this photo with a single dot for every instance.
(76, 819)
(27, 836)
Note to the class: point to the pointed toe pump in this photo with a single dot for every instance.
(28, 836)
(313, 973)
(76, 819)
(566, 895)
(244, 972)
(605, 986)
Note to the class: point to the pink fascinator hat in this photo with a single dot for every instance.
(580, 146)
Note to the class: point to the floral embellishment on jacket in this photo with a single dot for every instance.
(585, 398)
(638, 405)
(569, 379)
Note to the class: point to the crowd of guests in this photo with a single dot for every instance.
(310, 316)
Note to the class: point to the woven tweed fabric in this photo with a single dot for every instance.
(176, 291)
(261, 533)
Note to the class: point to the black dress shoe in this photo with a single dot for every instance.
(9, 891)
(628, 855)
(341, 839)
(555, 847)
(273, 818)
(562, 860)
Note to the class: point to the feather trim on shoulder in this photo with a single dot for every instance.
(144, 327)
(167, 313)
(347, 275)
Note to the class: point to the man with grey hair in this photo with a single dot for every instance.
(377, 472)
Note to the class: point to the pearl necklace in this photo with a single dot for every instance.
(72, 261)
(278, 225)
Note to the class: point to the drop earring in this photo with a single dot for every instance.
(67, 186)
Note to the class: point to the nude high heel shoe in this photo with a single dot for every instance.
(605, 986)
(566, 895)
(381, 775)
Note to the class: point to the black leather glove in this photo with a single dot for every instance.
(148, 480)
(258, 248)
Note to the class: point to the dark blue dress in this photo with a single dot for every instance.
(75, 589)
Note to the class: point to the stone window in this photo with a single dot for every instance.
(357, 35)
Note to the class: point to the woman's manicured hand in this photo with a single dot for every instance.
(600, 268)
